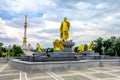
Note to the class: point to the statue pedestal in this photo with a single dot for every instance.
(67, 46)
(66, 52)
(25, 47)
(26, 50)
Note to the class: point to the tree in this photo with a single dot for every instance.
(111, 46)
(16, 50)
(11, 54)
(107, 43)
(98, 45)
(1, 44)
(75, 49)
(117, 46)
(1, 49)
(85, 47)
(107, 47)
(49, 50)
(110, 52)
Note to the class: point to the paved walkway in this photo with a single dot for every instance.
(96, 73)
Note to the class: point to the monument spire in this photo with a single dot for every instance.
(25, 28)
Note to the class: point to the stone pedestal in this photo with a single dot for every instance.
(68, 46)
(27, 50)
(25, 47)
(66, 52)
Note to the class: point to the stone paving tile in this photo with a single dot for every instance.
(8, 68)
(116, 73)
(43, 79)
(102, 75)
(75, 77)
(31, 75)
(103, 69)
(36, 77)
(85, 71)
(114, 67)
(113, 79)
(1, 65)
(9, 72)
(62, 72)
(9, 77)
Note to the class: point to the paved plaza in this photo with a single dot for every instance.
(96, 73)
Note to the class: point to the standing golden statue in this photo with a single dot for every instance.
(39, 49)
(90, 46)
(64, 29)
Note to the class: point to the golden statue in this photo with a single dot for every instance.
(58, 45)
(64, 29)
(39, 49)
(80, 48)
(90, 46)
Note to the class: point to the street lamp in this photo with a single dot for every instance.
(103, 49)
(103, 54)
(9, 47)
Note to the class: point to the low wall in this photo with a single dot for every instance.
(61, 65)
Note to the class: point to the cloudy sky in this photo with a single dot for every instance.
(89, 20)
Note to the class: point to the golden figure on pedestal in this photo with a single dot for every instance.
(80, 48)
(58, 45)
(90, 46)
(64, 29)
(39, 49)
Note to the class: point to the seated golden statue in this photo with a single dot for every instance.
(90, 46)
(39, 49)
(58, 45)
(80, 48)
(64, 29)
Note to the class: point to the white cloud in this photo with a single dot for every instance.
(102, 5)
(51, 25)
(2, 22)
(13, 32)
(26, 5)
(2, 29)
(46, 16)
(9, 35)
(83, 5)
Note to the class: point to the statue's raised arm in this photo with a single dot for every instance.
(64, 29)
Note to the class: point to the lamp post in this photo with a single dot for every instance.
(103, 48)
(9, 47)
(103, 54)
